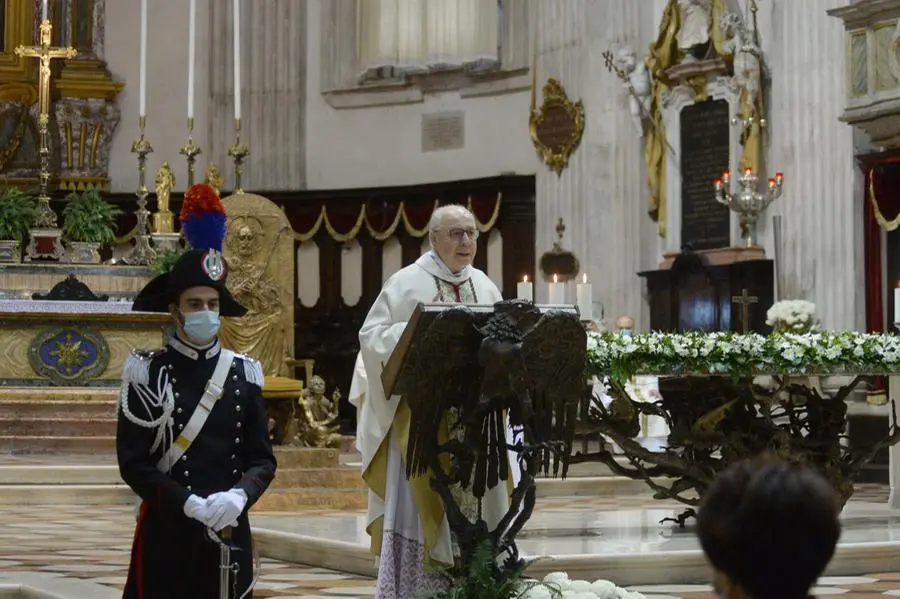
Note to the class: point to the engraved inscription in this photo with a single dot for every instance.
(556, 128)
(705, 134)
(443, 131)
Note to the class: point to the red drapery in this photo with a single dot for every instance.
(881, 211)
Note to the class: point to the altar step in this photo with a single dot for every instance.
(57, 420)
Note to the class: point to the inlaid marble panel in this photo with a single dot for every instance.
(883, 46)
(859, 64)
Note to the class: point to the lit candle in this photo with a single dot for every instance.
(44, 11)
(192, 51)
(726, 177)
(718, 184)
(237, 59)
(525, 290)
(143, 91)
(748, 171)
(897, 304)
(557, 292)
(584, 299)
(771, 183)
(779, 178)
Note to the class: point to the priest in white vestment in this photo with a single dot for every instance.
(406, 521)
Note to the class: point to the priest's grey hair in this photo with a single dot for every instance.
(437, 218)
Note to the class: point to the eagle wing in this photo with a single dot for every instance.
(554, 351)
(445, 374)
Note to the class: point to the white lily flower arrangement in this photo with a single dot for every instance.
(792, 316)
(557, 585)
(742, 355)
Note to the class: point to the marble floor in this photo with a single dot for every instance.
(90, 545)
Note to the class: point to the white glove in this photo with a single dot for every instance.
(196, 507)
(224, 508)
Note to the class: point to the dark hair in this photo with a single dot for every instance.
(770, 526)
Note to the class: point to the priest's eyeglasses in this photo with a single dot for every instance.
(457, 234)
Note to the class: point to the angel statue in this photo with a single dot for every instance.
(746, 54)
(636, 79)
(214, 177)
(317, 414)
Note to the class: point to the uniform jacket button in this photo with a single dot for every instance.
(237, 440)
(187, 473)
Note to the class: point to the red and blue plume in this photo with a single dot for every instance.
(203, 218)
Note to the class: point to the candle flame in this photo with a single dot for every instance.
(555, 279)
(779, 176)
(525, 279)
(748, 171)
(584, 278)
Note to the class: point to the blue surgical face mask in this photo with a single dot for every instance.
(626, 332)
(201, 327)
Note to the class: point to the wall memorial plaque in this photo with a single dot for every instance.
(705, 151)
(556, 127)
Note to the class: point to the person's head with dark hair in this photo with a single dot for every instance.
(769, 528)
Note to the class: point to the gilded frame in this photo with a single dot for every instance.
(555, 99)
(19, 30)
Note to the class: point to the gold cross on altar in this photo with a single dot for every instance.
(744, 299)
(45, 52)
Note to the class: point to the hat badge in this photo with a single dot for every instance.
(213, 265)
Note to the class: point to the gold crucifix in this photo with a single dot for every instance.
(45, 53)
(745, 299)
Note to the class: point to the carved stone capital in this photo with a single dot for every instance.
(86, 127)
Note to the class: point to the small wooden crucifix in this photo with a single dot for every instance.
(745, 299)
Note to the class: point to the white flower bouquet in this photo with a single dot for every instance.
(792, 316)
(557, 585)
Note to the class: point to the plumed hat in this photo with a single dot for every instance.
(203, 265)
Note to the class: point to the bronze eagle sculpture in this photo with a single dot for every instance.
(516, 364)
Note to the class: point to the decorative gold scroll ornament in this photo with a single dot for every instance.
(557, 126)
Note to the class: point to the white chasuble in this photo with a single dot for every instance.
(406, 519)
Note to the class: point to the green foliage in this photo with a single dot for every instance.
(18, 213)
(89, 218)
(481, 580)
(165, 260)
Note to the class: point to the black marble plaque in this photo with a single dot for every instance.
(705, 131)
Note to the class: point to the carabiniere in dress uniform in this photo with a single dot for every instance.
(193, 440)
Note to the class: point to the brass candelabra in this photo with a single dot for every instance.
(238, 152)
(190, 151)
(748, 202)
(141, 252)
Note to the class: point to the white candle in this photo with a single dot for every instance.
(897, 304)
(584, 300)
(557, 292)
(525, 290)
(237, 59)
(192, 51)
(44, 11)
(143, 91)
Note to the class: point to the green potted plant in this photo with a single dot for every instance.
(89, 224)
(18, 213)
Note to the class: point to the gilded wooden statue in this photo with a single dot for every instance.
(317, 415)
(163, 219)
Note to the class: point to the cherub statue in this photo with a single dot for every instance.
(746, 55)
(316, 416)
(165, 181)
(214, 177)
(636, 79)
(693, 35)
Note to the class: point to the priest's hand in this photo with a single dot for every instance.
(224, 508)
(196, 507)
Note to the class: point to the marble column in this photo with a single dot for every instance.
(273, 92)
(821, 207)
(601, 196)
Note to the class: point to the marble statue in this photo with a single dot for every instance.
(317, 415)
(693, 35)
(739, 44)
(637, 83)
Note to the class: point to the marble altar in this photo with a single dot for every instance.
(72, 343)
